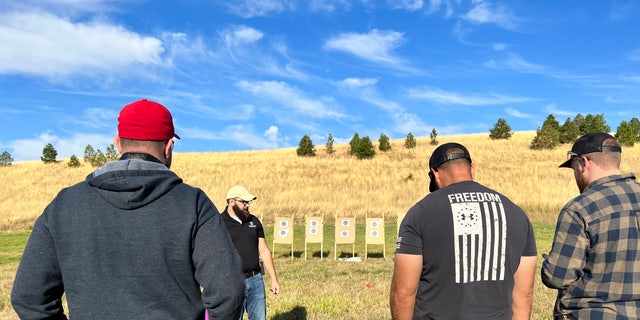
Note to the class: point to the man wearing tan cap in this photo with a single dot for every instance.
(247, 234)
(132, 241)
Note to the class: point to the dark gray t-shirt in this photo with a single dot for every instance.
(471, 239)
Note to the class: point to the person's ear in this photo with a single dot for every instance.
(168, 148)
(473, 170)
(116, 142)
(583, 162)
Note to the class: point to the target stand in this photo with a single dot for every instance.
(314, 233)
(375, 235)
(283, 233)
(345, 234)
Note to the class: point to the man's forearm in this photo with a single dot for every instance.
(522, 306)
(402, 306)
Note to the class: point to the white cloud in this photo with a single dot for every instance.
(552, 109)
(516, 113)
(499, 46)
(242, 134)
(483, 12)
(517, 63)
(272, 135)
(290, 97)
(445, 97)
(31, 149)
(181, 46)
(42, 44)
(240, 35)
(430, 8)
(376, 46)
(257, 8)
(633, 78)
(411, 5)
(199, 134)
(359, 82)
(242, 45)
(403, 122)
(96, 118)
(246, 135)
(329, 5)
(62, 7)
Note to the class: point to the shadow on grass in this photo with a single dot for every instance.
(371, 255)
(297, 313)
(319, 254)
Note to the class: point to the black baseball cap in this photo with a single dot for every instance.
(439, 157)
(591, 142)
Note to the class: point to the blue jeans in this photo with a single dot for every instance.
(255, 300)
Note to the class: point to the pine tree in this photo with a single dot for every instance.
(579, 122)
(353, 144)
(49, 154)
(364, 149)
(330, 141)
(410, 141)
(89, 153)
(625, 134)
(73, 162)
(434, 137)
(306, 147)
(111, 153)
(501, 130)
(635, 126)
(596, 123)
(98, 160)
(5, 159)
(384, 144)
(569, 131)
(548, 136)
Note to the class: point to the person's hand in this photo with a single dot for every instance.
(275, 287)
(545, 256)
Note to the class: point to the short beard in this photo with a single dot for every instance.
(243, 214)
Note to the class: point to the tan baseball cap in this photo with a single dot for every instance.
(240, 192)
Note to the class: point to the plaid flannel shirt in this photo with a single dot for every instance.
(595, 258)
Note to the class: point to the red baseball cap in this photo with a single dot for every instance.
(145, 120)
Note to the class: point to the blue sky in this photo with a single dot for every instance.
(260, 74)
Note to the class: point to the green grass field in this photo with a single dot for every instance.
(315, 288)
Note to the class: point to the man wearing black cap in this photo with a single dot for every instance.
(464, 251)
(132, 241)
(594, 261)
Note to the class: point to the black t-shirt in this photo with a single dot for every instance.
(245, 238)
(471, 239)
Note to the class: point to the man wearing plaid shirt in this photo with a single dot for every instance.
(594, 262)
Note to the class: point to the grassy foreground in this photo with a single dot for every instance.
(315, 288)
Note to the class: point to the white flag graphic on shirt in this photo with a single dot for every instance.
(480, 235)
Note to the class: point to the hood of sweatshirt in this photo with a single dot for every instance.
(132, 183)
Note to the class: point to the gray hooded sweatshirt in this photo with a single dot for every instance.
(132, 241)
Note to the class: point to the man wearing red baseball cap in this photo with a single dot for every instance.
(132, 241)
(146, 126)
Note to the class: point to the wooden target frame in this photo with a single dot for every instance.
(314, 232)
(282, 232)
